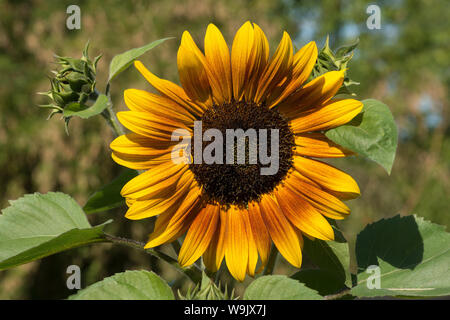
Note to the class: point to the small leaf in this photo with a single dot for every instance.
(109, 196)
(346, 49)
(122, 61)
(85, 112)
(38, 225)
(128, 285)
(372, 133)
(279, 287)
(413, 256)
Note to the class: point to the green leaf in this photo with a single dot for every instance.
(330, 257)
(128, 285)
(122, 61)
(279, 287)
(85, 112)
(323, 281)
(346, 49)
(109, 196)
(38, 225)
(413, 256)
(372, 133)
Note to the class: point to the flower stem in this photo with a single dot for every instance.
(108, 113)
(272, 260)
(191, 272)
(112, 120)
(339, 295)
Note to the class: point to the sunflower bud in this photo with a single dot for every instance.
(328, 60)
(74, 82)
(208, 290)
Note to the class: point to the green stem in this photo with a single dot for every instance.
(339, 295)
(109, 114)
(191, 272)
(272, 260)
(112, 120)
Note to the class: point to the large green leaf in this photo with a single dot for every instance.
(331, 259)
(38, 225)
(279, 287)
(323, 281)
(109, 196)
(128, 285)
(122, 61)
(372, 133)
(413, 256)
(85, 112)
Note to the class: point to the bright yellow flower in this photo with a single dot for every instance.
(232, 211)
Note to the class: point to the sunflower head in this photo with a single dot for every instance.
(228, 209)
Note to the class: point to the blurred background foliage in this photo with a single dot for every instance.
(405, 64)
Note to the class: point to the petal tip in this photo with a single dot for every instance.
(138, 64)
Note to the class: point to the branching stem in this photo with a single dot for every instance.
(192, 272)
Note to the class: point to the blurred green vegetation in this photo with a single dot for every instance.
(404, 64)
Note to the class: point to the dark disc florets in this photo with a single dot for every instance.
(238, 184)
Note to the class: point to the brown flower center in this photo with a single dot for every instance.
(243, 181)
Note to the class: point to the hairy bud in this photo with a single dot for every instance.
(73, 83)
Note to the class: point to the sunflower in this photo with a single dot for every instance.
(230, 211)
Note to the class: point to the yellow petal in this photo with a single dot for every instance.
(169, 227)
(133, 143)
(236, 244)
(333, 114)
(327, 204)
(260, 233)
(261, 56)
(252, 248)
(191, 69)
(277, 70)
(199, 235)
(151, 126)
(213, 256)
(217, 56)
(130, 201)
(317, 145)
(242, 59)
(152, 207)
(303, 63)
(327, 176)
(281, 231)
(303, 215)
(138, 161)
(139, 152)
(143, 101)
(159, 181)
(170, 90)
(313, 94)
(146, 162)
